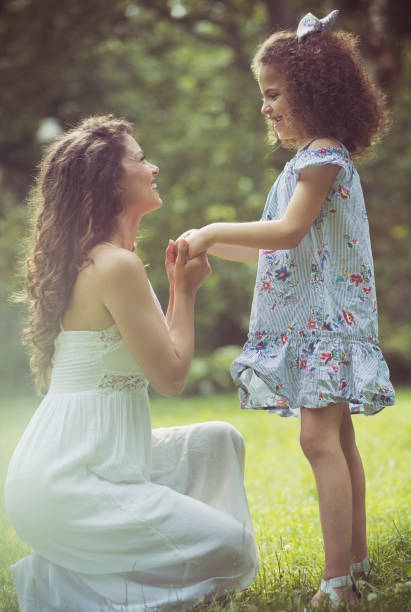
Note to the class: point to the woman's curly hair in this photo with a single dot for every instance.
(74, 201)
(327, 88)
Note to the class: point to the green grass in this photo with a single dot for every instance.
(282, 499)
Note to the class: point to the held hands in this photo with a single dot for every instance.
(199, 240)
(184, 274)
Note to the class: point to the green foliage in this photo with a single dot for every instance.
(180, 72)
(13, 359)
(282, 498)
(211, 374)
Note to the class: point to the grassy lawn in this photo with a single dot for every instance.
(282, 498)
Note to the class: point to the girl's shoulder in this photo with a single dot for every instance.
(321, 151)
(329, 143)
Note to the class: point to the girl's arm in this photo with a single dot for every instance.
(233, 252)
(226, 251)
(164, 354)
(285, 233)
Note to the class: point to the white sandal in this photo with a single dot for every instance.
(361, 570)
(328, 588)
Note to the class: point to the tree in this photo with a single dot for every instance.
(180, 71)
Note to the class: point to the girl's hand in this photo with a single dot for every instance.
(189, 274)
(199, 240)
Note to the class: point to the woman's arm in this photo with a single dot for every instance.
(285, 233)
(170, 262)
(163, 354)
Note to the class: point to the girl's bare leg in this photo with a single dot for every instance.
(352, 456)
(321, 444)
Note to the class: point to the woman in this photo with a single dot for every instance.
(119, 516)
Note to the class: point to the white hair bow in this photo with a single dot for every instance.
(309, 24)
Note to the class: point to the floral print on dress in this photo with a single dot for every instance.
(343, 192)
(313, 337)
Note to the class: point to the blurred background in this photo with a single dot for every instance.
(179, 70)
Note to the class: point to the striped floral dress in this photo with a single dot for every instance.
(313, 337)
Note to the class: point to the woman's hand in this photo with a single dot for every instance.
(199, 240)
(189, 274)
(170, 262)
(163, 352)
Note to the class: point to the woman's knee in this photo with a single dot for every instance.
(239, 549)
(221, 433)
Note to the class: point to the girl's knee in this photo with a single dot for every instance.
(347, 432)
(320, 431)
(308, 443)
(317, 448)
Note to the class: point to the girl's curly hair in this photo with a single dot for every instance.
(74, 201)
(327, 87)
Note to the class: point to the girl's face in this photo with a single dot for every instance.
(275, 105)
(139, 179)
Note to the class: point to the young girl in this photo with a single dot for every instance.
(312, 349)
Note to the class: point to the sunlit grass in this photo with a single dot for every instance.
(282, 499)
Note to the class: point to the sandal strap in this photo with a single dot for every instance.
(363, 566)
(328, 586)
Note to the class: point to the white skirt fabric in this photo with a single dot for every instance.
(122, 517)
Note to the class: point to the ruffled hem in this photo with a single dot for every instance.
(280, 374)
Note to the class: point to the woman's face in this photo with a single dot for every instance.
(275, 105)
(139, 179)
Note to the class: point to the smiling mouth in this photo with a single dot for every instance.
(276, 120)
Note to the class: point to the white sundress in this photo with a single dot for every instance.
(313, 337)
(122, 517)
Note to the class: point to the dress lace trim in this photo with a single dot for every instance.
(117, 382)
(110, 335)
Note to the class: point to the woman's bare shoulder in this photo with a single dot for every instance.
(108, 271)
(113, 264)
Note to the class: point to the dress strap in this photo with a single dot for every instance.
(308, 144)
(312, 140)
